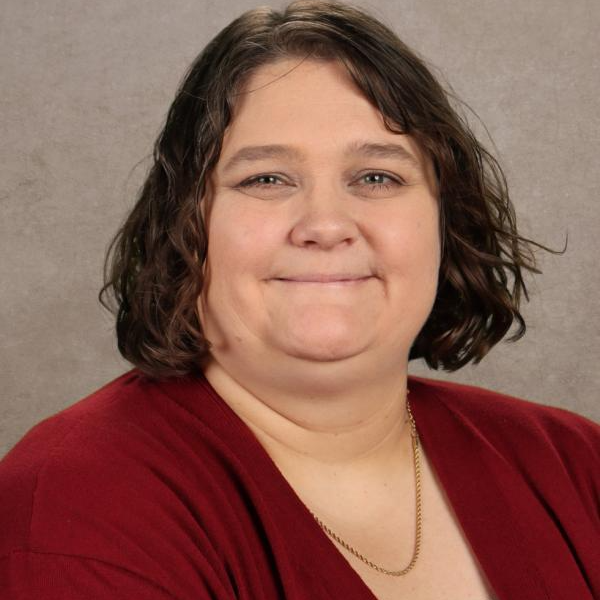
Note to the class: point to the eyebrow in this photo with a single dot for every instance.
(369, 149)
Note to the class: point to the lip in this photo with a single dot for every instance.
(339, 279)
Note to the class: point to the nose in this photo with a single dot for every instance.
(324, 218)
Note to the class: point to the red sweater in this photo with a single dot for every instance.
(147, 490)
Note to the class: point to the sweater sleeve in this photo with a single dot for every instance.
(87, 513)
(576, 441)
(27, 575)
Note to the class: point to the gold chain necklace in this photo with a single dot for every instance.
(416, 455)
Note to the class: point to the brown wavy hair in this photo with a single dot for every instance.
(154, 266)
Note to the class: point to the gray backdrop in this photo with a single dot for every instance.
(86, 85)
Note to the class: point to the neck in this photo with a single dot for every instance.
(333, 439)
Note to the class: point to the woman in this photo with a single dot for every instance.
(316, 217)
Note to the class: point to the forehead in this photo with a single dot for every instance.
(294, 74)
(295, 92)
(306, 104)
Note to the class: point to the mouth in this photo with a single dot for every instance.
(326, 280)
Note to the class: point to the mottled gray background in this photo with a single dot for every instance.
(85, 88)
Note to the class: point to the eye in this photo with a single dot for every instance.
(380, 177)
(255, 181)
(262, 181)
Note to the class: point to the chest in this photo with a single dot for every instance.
(446, 568)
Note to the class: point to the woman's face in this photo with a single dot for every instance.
(321, 204)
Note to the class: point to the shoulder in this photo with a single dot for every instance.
(540, 441)
(130, 479)
(52, 452)
(93, 421)
(502, 411)
(109, 466)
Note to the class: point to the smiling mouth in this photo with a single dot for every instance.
(335, 282)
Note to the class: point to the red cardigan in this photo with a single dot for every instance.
(147, 491)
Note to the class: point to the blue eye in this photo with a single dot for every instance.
(255, 181)
(384, 186)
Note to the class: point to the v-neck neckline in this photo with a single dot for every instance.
(475, 486)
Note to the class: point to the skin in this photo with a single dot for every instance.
(319, 371)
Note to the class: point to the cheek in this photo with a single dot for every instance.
(412, 281)
(411, 261)
(240, 242)
(240, 255)
(413, 245)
